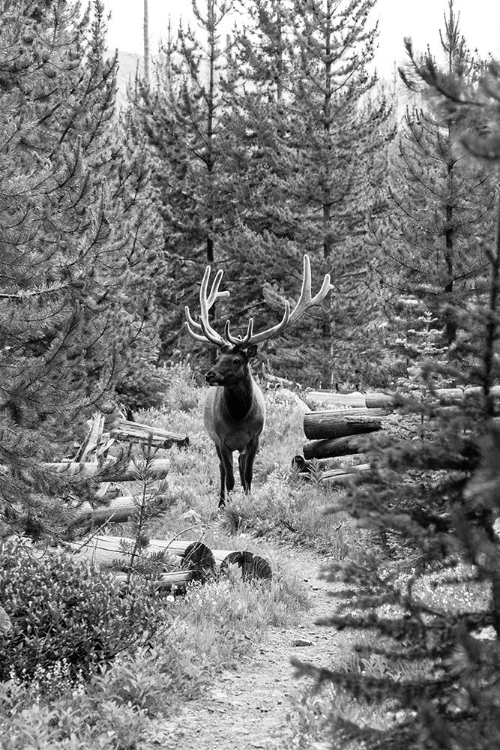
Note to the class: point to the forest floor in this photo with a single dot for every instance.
(247, 708)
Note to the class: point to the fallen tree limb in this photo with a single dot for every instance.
(352, 474)
(341, 475)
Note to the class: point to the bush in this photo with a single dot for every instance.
(63, 609)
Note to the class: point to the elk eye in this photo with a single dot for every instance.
(236, 361)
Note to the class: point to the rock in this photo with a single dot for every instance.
(301, 642)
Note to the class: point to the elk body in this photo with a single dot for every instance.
(234, 413)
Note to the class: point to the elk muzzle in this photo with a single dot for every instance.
(213, 378)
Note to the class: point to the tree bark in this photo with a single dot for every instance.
(353, 474)
(108, 550)
(342, 422)
(111, 469)
(119, 510)
(331, 398)
(343, 446)
(142, 433)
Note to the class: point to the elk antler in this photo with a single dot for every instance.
(204, 332)
(289, 318)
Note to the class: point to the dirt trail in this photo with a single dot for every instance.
(247, 708)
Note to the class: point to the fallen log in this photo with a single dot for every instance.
(339, 475)
(350, 475)
(388, 400)
(342, 422)
(333, 398)
(342, 446)
(381, 400)
(117, 511)
(305, 466)
(107, 550)
(143, 433)
(449, 396)
(177, 580)
(110, 469)
(251, 566)
(102, 544)
(92, 440)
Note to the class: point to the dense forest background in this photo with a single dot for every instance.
(245, 151)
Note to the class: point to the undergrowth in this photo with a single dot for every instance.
(56, 705)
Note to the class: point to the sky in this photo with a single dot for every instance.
(418, 19)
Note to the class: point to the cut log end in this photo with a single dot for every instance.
(199, 560)
(253, 567)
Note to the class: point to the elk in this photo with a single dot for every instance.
(234, 413)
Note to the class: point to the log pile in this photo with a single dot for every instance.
(93, 459)
(339, 433)
(191, 560)
(175, 563)
(445, 396)
(335, 432)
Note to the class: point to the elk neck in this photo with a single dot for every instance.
(239, 397)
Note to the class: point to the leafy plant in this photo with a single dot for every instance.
(64, 609)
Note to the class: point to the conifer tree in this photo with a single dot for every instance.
(300, 146)
(180, 114)
(77, 244)
(428, 588)
(440, 214)
(270, 153)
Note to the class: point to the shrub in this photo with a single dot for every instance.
(78, 720)
(63, 609)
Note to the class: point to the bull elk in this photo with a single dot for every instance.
(234, 413)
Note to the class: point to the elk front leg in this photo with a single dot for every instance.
(226, 474)
(245, 462)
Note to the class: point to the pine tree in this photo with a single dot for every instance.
(269, 153)
(440, 215)
(292, 166)
(180, 115)
(428, 588)
(77, 249)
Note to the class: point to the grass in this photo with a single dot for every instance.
(282, 506)
(214, 624)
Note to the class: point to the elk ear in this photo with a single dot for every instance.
(251, 351)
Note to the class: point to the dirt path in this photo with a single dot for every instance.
(247, 708)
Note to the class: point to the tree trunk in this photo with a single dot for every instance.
(146, 41)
